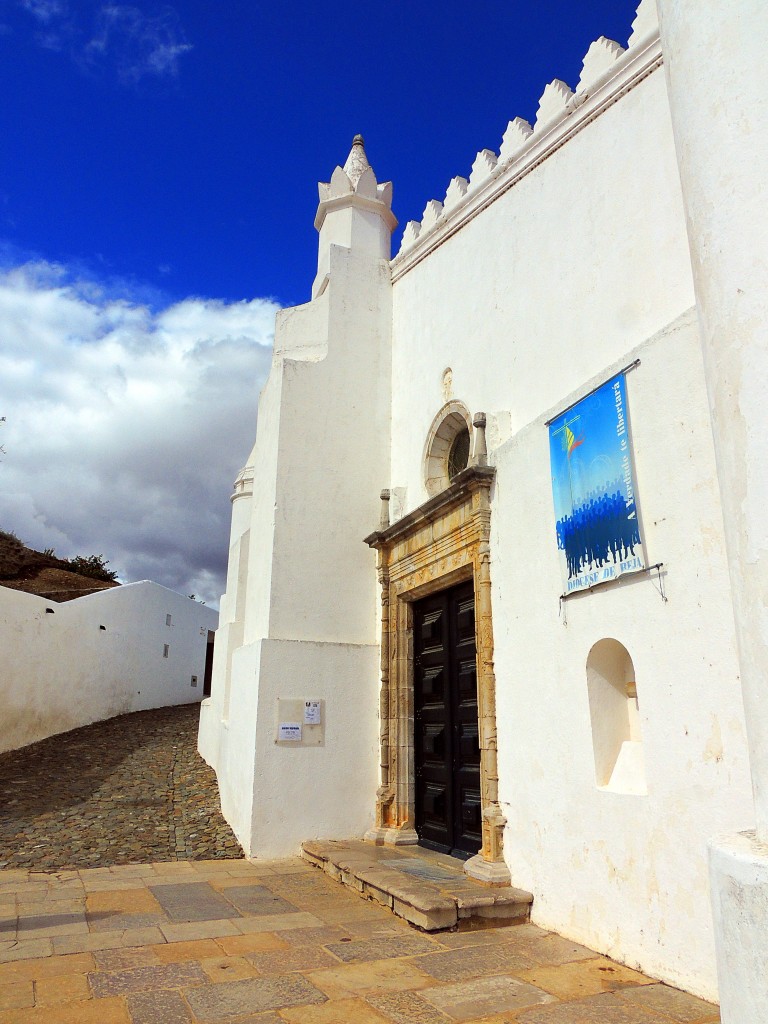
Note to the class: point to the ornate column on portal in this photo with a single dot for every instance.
(488, 865)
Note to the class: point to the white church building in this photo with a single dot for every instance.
(497, 578)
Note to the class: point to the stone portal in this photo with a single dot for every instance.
(440, 544)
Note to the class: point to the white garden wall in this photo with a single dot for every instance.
(59, 669)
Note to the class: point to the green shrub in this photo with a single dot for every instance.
(94, 566)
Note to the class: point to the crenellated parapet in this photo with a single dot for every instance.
(608, 70)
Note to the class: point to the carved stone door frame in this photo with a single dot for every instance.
(439, 544)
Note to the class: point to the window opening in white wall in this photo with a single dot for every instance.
(168, 620)
(208, 674)
(166, 648)
(458, 457)
(449, 442)
(615, 717)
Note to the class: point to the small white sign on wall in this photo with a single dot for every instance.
(312, 714)
(289, 731)
(300, 722)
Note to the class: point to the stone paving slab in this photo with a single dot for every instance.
(362, 950)
(470, 1000)
(335, 959)
(219, 1002)
(679, 1006)
(285, 961)
(132, 789)
(152, 1007)
(605, 1009)
(193, 901)
(257, 900)
(146, 979)
(474, 962)
(406, 1008)
(356, 1010)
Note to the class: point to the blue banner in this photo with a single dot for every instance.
(598, 534)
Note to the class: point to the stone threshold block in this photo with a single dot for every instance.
(429, 890)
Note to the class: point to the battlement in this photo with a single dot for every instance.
(608, 68)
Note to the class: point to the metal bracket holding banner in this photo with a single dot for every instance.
(300, 723)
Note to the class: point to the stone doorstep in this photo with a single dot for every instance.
(421, 903)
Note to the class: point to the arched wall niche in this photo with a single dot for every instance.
(615, 717)
(453, 419)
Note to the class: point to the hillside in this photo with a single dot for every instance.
(37, 572)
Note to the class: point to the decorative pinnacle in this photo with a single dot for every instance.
(357, 161)
(355, 184)
(384, 520)
(480, 454)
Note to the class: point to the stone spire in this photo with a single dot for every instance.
(356, 178)
(344, 214)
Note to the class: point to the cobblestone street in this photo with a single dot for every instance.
(128, 790)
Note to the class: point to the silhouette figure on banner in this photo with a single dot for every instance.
(603, 530)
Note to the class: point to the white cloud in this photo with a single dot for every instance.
(118, 36)
(125, 427)
(45, 10)
(137, 44)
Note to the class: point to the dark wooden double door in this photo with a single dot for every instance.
(446, 741)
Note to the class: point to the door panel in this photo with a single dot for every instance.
(467, 682)
(469, 747)
(433, 685)
(435, 746)
(431, 630)
(446, 743)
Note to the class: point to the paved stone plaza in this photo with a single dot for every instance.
(128, 790)
(232, 942)
(108, 917)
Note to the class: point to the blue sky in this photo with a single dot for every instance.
(158, 167)
(195, 173)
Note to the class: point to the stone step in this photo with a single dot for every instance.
(427, 889)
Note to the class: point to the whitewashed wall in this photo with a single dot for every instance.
(60, 670)
(624, 873)
(575, 271)
(301, 605)
(715, 59)
(581, 261)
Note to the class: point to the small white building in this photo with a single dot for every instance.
(128, 648)
(549, 655)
